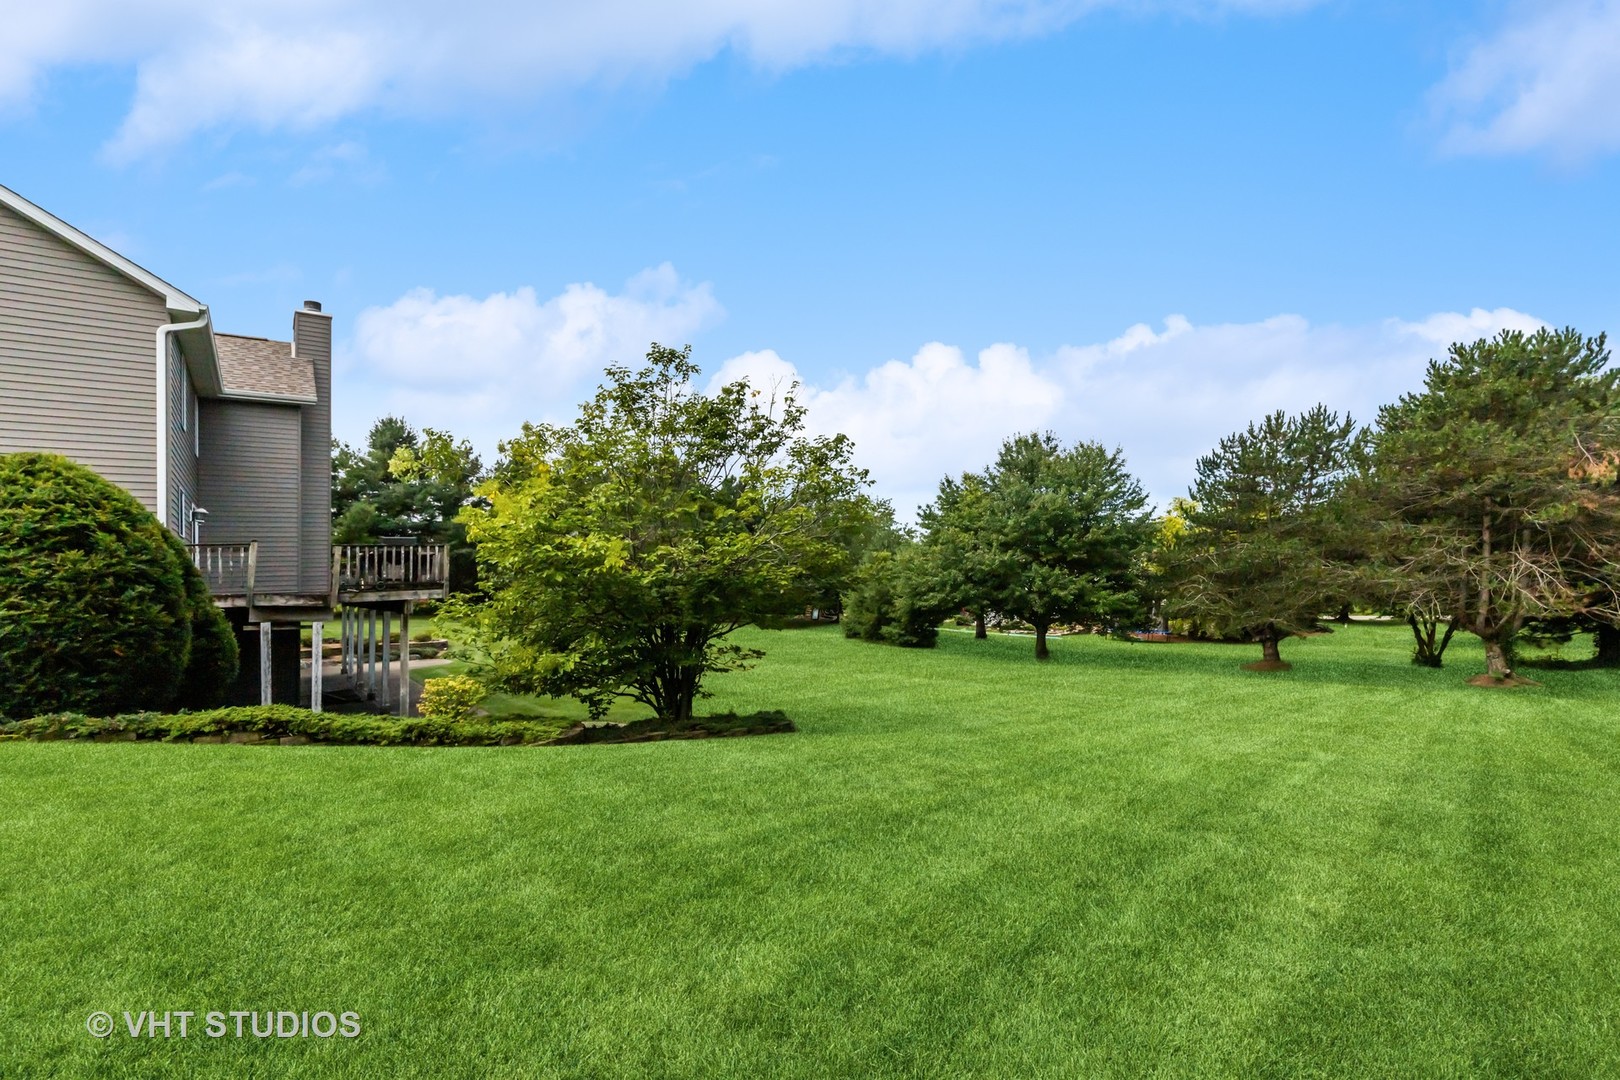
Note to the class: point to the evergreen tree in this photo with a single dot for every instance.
(1048, 535)
(971, 568)
(402, 484)
(1496, 486)
(1268, 529)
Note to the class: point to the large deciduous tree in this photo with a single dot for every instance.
(620, 551)
(1495, 484)
(1268, 529)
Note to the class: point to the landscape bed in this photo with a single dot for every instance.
(284, 725)
(1127, 861)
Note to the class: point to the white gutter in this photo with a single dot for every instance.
(163, 333)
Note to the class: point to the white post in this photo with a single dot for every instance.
(371, 653)
(264, 663)
(316, 661)
(387, 618)
(405, 661)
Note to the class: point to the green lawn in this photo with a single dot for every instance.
(1136, 860)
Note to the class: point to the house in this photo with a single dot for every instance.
(227, 439)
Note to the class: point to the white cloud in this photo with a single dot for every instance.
(299, 64)
(1165, 396)
(348, 158)
(914, 421)
(1547, 81)
(483, 366)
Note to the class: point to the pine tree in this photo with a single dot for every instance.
(1496, 486)
(1269, 532)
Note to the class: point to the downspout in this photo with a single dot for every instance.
(163, 463)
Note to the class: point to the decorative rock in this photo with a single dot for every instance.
(572, 737)
(295, 740)
(208, 738)
(248, 737)
(116, 736)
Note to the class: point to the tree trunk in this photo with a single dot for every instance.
(1496, 663)
(1429, 651)
(1269, 652)
(1041, 651)
(979, 631)
(1608, 645)
(1343, 618)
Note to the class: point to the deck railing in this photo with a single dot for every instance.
(228, 568)
(381, 567)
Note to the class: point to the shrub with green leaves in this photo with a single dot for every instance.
(264, 723)
(895, 599)
(101, 611)
(212, 664)
(452, 697)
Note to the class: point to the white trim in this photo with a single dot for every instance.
(163, 463)
(265, 395)
(177, 302)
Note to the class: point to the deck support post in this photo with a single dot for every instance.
(405, 661)
(343, 641)
(316, 662)
(371, 653)
(387, 634)
(264, 663)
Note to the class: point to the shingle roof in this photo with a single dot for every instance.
(259, 367)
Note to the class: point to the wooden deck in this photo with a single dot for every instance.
(361, 574)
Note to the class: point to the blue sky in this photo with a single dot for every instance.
(1142, 223)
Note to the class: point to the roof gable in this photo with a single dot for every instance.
(178, 303)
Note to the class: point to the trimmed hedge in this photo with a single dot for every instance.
(101, 610)
(281, 722)
(284, 724)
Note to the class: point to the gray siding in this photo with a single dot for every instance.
(77, 367)
(182, 443)
(312, 341)
(251, 460)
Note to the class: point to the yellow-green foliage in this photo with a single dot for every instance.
(453, 697)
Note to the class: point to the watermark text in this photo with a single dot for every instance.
(232, 1024)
